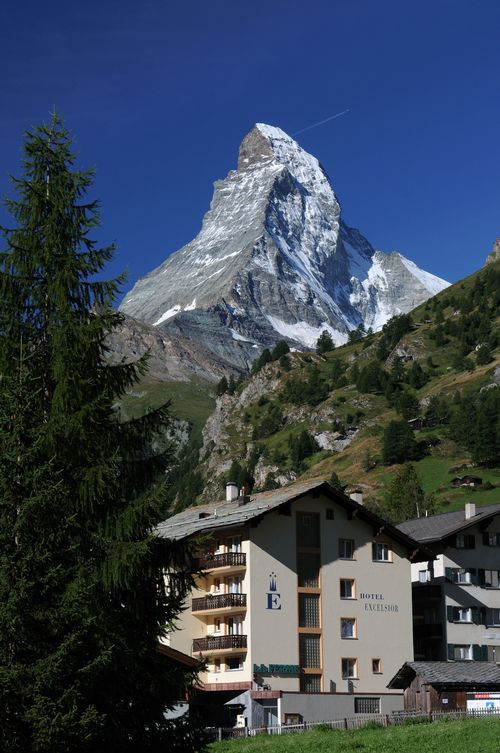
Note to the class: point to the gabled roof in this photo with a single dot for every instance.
(449, 674)
(438, 527)
(221, 515)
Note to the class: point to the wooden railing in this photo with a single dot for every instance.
(216, 643)
(219, 601)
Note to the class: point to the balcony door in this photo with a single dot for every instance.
(233, 544)
(233, 585)
(234, 626)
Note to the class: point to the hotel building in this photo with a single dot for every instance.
(303, 608)
(456, 596)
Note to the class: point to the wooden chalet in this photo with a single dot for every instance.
(443, 686)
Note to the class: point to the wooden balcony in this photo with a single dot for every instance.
(219, 602)
(228, 561)
(215, 644)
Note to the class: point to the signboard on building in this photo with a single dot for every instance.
(483, 701)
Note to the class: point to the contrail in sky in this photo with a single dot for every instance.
(332, 117)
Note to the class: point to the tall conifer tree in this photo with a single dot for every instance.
(83, 599)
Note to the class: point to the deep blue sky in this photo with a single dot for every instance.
(159, 94)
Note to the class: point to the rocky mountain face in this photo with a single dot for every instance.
(495, 252)
(171, 358)
(274, 261)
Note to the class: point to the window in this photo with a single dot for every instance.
(346, 549)
(347, 588)
(462, 576)
(308, 530)
(233, 585)
(490, 578)
(424, 576)
(308, 564)
(464, 614)
(330, 514)
(309, 610)
(233, 544)
(217, 584)
(463, 541)
(381, 552)
(217, 625)
(348, 627)
(491, 539)
(377, 666)
(349, 669)
(367, 705)
(309, 651)
(216, 665)
(310, 683)
(462, 652)
(234, 626)
(493, 616)
(233, 662)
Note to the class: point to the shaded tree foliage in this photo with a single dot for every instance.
(83, 598)
(398, 443)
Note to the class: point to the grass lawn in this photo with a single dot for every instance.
(449, 736)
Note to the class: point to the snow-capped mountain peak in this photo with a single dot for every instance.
(274, 260)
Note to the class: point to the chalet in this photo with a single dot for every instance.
(466, 481)
(445, 686)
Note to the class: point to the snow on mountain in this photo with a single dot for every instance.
(274, 260)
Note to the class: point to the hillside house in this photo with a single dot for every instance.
(472, 481)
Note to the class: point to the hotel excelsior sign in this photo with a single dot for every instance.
(376, 603)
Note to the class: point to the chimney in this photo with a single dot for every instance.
(231, 491)
(470, 510)
(243, 497)
(357, 496)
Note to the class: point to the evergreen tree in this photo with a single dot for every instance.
(407, 405)
(83, 597)
(324, 343)
(398, 444)
(335, 482)
(265, 357)
(405, 498)
(280, 349)
(222, 386)
(231, 385)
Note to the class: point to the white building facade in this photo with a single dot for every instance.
(456, 597)
(303, 610)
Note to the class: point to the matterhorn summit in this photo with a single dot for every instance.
(274, 260)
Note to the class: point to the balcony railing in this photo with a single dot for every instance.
(229, 559)
(219, 601)
(217, 643)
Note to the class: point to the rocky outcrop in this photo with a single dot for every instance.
(494, 254)
(171, 358)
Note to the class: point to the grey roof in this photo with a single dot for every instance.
(437, 527)
(460, 674)
(205, 518)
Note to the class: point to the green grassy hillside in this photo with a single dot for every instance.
(441, 361)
